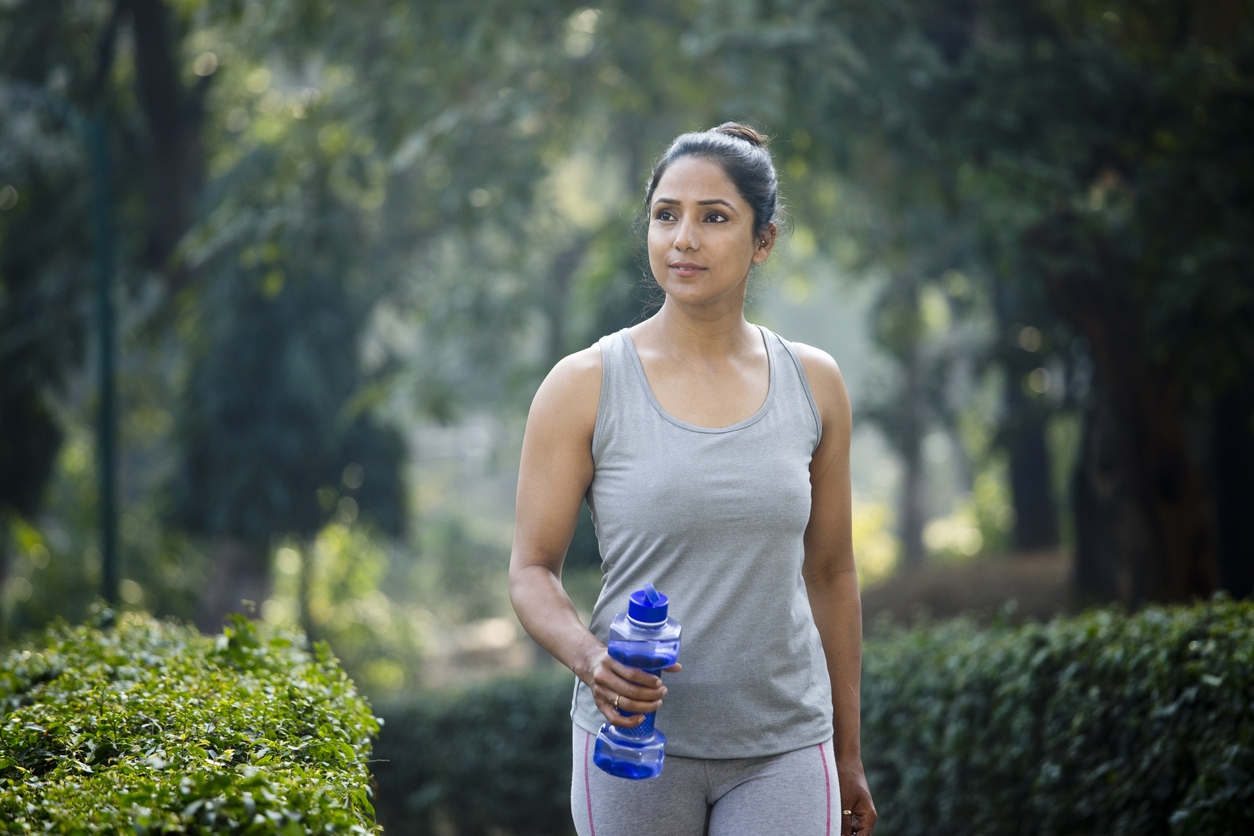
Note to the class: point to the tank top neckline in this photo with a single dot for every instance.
(771, 372)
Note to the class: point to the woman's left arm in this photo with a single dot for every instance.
(832, 582)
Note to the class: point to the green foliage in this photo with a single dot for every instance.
(149, 727)
(1104, 723)
(492, 758)
(379, 639)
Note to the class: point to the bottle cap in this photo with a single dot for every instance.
(647, 606)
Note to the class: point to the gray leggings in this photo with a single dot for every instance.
(794, 793)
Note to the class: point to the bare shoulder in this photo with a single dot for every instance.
(824, 375)
(827, 385)
(571, 391)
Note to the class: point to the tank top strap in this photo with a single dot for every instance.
(620, 391)
(793, 382)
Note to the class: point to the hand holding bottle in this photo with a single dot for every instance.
(643, 642)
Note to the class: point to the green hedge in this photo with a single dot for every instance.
(149, 728)
(1100, 724)
(489, 760)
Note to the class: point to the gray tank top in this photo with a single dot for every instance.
(714, 518)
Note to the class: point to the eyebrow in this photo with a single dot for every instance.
(717, 200)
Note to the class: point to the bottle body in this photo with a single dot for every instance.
(638, 752)
(647, 647)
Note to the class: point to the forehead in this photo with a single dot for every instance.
(696, 178)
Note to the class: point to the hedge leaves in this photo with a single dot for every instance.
(152, 728)
(1103, 723)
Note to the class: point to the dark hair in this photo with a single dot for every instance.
(741, 152)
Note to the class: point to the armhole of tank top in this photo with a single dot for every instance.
(805, 385)
(598, 427)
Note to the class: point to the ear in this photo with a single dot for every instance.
(766, 242)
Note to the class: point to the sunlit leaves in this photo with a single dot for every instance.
(152, 727)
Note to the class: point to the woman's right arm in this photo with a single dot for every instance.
(553, 477)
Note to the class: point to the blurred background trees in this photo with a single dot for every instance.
(351, 238)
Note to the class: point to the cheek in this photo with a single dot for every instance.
(656, 243)
(656, 254)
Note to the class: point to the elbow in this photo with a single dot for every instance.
(830, 576)
(517, 580)
(523, 576)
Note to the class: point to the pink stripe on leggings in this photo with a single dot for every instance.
(827, 785)
(587, 741)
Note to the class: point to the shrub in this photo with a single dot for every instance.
(1104, 723)
(490, 759)
(150, 728)
(1100, 724)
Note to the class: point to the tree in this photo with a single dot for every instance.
(1107, 141)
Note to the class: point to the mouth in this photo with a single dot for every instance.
(686, 268)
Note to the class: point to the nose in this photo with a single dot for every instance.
(687, 235)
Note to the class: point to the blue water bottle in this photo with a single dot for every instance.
(643, 638)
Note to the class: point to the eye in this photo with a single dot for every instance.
(664, 215)
(716, 217)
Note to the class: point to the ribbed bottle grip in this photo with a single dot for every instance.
(643, 730)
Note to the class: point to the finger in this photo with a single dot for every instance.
(846, 823)
(628, 722)
(635, 675)
(618, 697)
(861, 823)
(673, 668)
(630, 698)
(628, 704)
(614, 718)
(645, 687)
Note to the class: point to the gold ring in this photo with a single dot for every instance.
(616, 699)
(847, 812)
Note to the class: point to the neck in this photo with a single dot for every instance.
(702, 333)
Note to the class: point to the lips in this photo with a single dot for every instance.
(686, 269)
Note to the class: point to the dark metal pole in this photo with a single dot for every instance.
(106, 427)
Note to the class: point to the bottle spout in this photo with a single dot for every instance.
(647, 605)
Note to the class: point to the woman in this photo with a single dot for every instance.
(715, 458)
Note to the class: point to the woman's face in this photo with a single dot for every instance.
(701, 240)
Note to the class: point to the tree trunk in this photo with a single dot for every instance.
(241, 572)
(1111, 528)
(558, 297)
(1232, 456)
(1137, 463)
(307, 553)
(1031, 485)
(1022, 431)
(913, 501)
(174, 116)
(5, 536)
(913, 513)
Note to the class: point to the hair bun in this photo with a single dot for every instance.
(744, 132)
